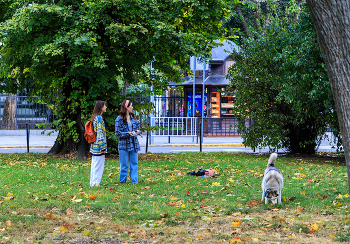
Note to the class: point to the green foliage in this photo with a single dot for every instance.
(282, 84)
(75, 51)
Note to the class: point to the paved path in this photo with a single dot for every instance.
(17, 141)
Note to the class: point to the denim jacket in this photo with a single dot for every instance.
(127, 142)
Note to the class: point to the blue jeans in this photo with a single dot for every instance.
(124, 157)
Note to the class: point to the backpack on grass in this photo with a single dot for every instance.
(89, 132)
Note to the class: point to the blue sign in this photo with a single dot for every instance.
(197, 105)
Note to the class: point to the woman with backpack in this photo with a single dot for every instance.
(126, 129)
(98, 149)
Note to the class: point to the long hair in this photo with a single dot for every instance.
(123, 111)
(97, 110)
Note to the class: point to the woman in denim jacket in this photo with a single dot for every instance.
(126, 129)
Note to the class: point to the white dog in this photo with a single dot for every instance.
(272, 182)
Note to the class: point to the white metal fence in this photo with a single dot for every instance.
(174, 126)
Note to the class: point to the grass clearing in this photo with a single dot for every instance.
(48, 199)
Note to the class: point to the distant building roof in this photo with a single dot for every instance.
(220, 53)
(211, 80)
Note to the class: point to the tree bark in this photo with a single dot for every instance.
(8, 116)
(332, 24)
(82, 144)
(244, 22)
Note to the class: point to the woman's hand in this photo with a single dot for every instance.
(131, 134)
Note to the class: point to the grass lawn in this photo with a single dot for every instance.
(46, 199)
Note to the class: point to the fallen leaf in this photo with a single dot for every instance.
(235, 240)
(300, 209)
(252, 203)
(50, 215)
(68, 226)
(77, 200)
(314, 226)
(62, 229)
(86, 232)
(68, 211)
(236, 224)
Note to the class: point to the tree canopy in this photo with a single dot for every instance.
(282, 84)
(75, 51)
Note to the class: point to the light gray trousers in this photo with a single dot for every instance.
(97, 167)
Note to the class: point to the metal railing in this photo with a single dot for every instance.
(189, 126)
(17, 111)
(175, 126)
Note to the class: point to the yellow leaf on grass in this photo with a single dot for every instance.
(86, 232)
(133, 235)
(332, 236)
(255, 240)
(314, 226)
(235, 240)
(300, 209)
(236, 224)
(62, 229)
(285, 229)
(338, 204)
(216, 183)
(340, 196)
(9, 223)
(183, 205)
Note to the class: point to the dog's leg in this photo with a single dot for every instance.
(262, 197)
(279, 197)
(266, 200)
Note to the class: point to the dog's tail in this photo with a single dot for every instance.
(272, 160)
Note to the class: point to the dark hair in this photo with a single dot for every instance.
(97, 110)
(123, 111)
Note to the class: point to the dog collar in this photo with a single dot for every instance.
(267, 189)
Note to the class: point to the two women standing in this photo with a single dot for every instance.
(127, 129)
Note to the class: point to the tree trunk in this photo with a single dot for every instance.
(82, 144)
(244, 22)
(331, 20)
(8, 116)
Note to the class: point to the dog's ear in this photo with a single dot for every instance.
(276, 192)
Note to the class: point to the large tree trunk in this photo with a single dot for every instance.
(69, 146)
(8, 116)
(332, 24)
